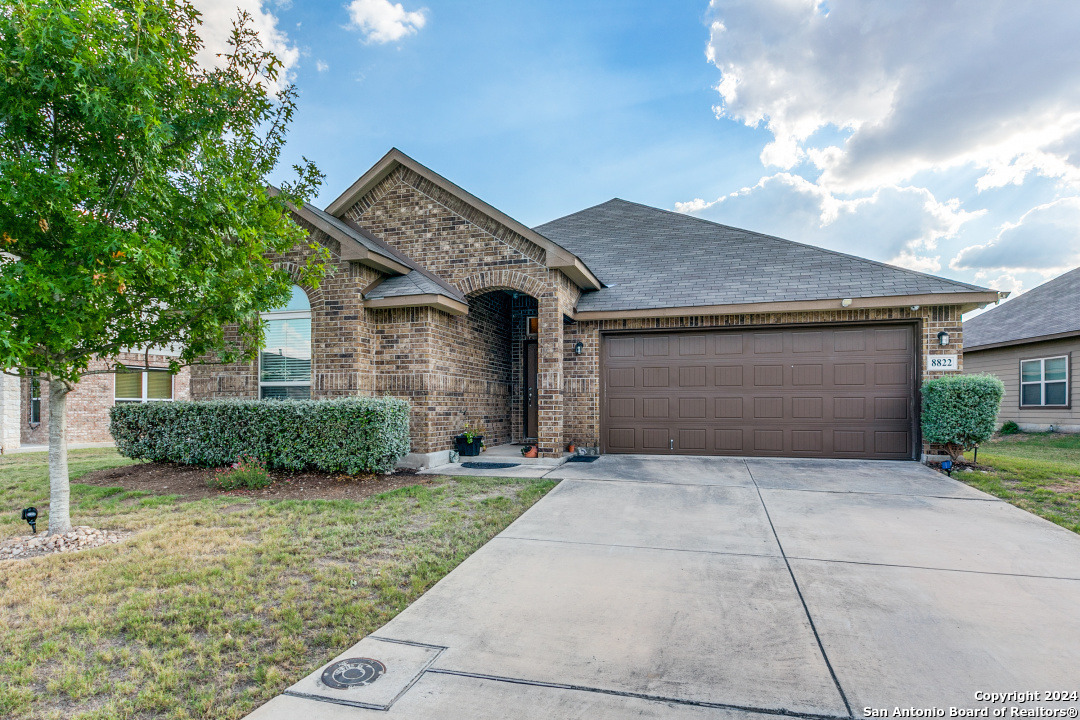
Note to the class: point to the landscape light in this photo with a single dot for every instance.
(30, 515)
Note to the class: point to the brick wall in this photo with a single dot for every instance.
(581, 386)
(88, 404)
(342, 346)
(479, 256)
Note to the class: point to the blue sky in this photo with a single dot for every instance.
(944, 137)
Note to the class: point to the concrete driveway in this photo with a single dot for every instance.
(689, 587)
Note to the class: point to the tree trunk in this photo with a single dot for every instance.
(59, 488)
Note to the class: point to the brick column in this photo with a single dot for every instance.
(550, 376)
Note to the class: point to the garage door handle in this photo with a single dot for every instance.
(671, 443)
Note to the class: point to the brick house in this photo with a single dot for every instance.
(620, 328)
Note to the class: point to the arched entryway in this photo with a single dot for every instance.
(501, 351)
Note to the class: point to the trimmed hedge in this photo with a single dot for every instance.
(959, 411)
(349, 435)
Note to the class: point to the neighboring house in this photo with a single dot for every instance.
(24, 402)
(1032, 343)
(622, 328)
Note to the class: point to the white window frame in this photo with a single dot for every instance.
(286, 315)
(145, 378)
(1042, 381)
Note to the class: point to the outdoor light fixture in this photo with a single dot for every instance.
(846, 302)
(579, 348)
(943, 338)
(914, 307)
(30, 515)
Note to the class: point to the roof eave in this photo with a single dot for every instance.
(966, 300)
(351, 249)
(1022, 341)
(439, 302)
(557, 256)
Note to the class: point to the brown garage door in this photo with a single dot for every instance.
(808, 392)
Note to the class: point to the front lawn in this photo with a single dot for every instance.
(215, 606)
(1039, 472)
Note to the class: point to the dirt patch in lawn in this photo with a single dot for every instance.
(190, 483)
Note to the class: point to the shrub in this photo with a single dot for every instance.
(1009, 428)
(247, 472)
(959, 411)
(348, 435)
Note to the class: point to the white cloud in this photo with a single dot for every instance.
(1046, 240)
(321, 66)
(381, 21)
(898, 225)
(915, 86)
(217, 23)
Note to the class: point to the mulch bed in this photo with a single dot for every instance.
(190, 483)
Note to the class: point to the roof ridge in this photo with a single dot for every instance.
(959, 283)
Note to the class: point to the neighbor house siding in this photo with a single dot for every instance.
(1005, 364)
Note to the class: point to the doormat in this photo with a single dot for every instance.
(584, 458)
(488, 465)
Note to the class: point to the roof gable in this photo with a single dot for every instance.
(1050, 310)
(555, 255)
(651, 259)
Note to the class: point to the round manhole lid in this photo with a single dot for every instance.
(352, 672)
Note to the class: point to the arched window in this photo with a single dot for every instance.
(285, 360)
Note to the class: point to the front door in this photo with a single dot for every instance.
(532, 422)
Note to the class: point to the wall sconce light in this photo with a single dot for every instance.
(914, 307)
(579, 347)
(943, 338)
(846, 302)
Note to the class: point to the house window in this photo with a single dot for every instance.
(534, 325)
(35, 399)
(1044, 382)
(285, 360)
(143, 386)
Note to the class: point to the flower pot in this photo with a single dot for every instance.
(529, 452)
(466, 448)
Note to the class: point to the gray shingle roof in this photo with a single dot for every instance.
(1053, 308)
(652, 258)
(414, 283)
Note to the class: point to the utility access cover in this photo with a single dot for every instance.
(352, 672)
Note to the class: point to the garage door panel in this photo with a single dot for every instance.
(728, 375)
(620, 377)
(621, 407)
(654, 438)
(768, 375)
(621, 439)
(828, 392)
(655, 407)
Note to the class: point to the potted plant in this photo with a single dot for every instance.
(529, 451)
(468, 443)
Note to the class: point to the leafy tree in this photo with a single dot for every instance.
(134, 209)
(959, 411)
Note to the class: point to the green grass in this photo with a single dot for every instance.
(215, 606)
(1039, 472)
